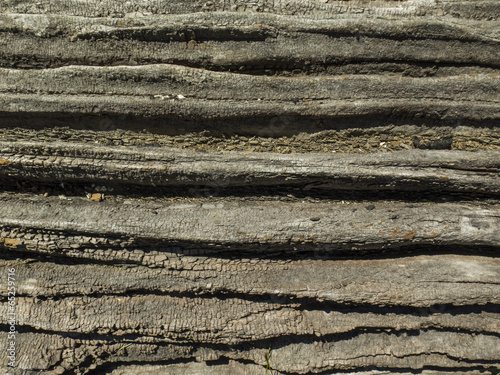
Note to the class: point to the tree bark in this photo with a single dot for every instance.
(407, 170)
(145, 231)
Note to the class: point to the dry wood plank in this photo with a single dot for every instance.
(230, 41)
(183, 320)
(234, 367)
(484, 9)
(164, 82)
(243, 117)
(167, 96)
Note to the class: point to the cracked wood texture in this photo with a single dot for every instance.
(250, 187)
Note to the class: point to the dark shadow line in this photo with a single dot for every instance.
(246, 125)
(402, 191)
(266, 251)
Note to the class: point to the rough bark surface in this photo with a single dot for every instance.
(250, 187)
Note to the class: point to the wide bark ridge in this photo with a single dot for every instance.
(250, 186)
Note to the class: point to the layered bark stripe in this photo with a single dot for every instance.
(338, 226)
(470, 280)
(406, 170)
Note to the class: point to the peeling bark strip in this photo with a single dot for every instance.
(407, 170)
(330, 226)
(281, 271)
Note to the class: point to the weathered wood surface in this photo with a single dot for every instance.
(324, 225)
(406, 170)
(353, 282)
(146, 258)
(172, 66)
(154, 93)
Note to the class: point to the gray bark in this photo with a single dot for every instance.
(124, 65)
(409, 170)
(143, 245)
(352, 283)
(330, 226)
